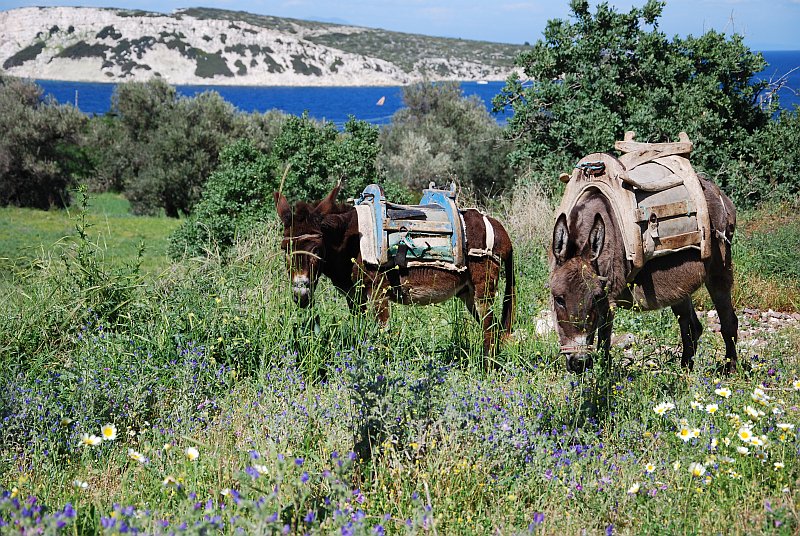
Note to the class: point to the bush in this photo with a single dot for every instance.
(441, 135)
(236, 198)
(604, 73)
(317, 155)
(39, 149)
(767, 169)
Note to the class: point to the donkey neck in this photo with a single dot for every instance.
(341, 248)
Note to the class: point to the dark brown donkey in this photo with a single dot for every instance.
(589, 272)
(322, 238)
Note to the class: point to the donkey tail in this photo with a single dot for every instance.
(510, 295)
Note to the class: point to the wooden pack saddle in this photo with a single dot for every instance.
(656, 197)
(430, 233)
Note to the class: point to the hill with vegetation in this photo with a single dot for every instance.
(214, 46)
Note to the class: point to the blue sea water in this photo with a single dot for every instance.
(338, 103)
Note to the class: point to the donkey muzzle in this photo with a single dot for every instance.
(301, 290)
(579, 357)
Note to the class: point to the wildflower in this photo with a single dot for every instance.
(734, 474)
(633, 490)
(786, 427)
(714, 443)
(136, 456)
(261, 468)
(90, 440)
(745, 434)
(758, 441)
(796, 385)
(726, 459)
(169, 481)
(65, 421)
(753, 413)
(192, 453)
(649, 468)
(684, 433)
(80, 484)
(676, 464)
(695, 404)
(167, 446)
(697, 469)
(712, 408)
(538, 518)
(726, 441)
(778, 466)
(695, 432)
(108, 432)
(724, 392)
(663, 408)
(760, 396)
(744, 451)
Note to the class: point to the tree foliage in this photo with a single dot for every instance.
(441, 135)
(603, 73)
(39, 147)
(316, 155)
(160, 148)
(237, 196)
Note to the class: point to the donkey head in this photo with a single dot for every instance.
(580, 301)
(304, 243)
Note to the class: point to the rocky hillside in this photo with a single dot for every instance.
(211, 46)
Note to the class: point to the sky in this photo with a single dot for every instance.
(765, 24)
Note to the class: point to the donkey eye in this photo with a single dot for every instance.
(560, 301)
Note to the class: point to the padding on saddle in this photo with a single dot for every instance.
(430, 233)
(656, 197)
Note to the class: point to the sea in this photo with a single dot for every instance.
(375, 105)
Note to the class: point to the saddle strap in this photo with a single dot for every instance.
(488, 251)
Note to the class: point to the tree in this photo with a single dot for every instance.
(39, 147)
(608, 72)
(316, 155)
(442, 135)
(237, 197)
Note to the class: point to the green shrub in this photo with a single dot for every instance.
(39, 148)
(236, 198)
(441, 135)
(599, 75)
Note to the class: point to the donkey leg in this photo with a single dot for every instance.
(481, 311)
(720, 293)
(691, 328)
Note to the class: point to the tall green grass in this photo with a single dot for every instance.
(319, 421)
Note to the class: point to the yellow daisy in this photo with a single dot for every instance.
(136, 456)
(724, 392)
(192, 453)
(90, 440)
(712, 408)
(663, 408)
(108, 432)
(684, 433)
(745, 434)
(697, 469)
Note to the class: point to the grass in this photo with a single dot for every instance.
(357, 429)
(27, 235)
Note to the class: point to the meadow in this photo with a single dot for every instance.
(141, 395)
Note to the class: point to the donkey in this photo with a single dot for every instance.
(322, 238)
(589, 272)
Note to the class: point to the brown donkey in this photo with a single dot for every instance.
(589, 277)
(322, 238)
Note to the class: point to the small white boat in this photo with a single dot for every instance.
(381, 101)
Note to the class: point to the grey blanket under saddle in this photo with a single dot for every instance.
(429, 234)
(656, 197)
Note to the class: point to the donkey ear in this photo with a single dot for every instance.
(560, 239)
(284, 209)
(326, 204)
(597, 236)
